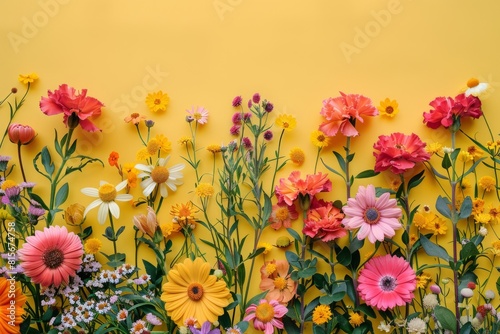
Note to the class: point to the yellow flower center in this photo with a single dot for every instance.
(473, 82)
(53, 258)
(264, 312)
(195, 291)
(153, 146)
(282, 213)
(157, 101)
(160, 174)
(389, 110)
(197, 116)
(280, 283)
(107, 192)
(270, 268)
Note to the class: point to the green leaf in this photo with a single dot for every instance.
(344, 257)
(150, 269)
(120, 231)
(469, 250)
(443, 206)
(446, 163)
(366, 174)
(62, 195)
(340, 160)
(446, 318)
(307, 272)
(434, 250)
(294, 234)
(109, 234)
(86, 232)
(47, 161)
(415, 180)
(466, 208)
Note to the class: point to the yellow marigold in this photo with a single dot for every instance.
(28, 78)
(8, 184)
(356, 319)
(487, 183)
(319, 139)
(477, 206)
(214, 148)
(297, 156)
(321, 314)
(482, 218)
(464, 156)
(423, 280)
(388, 107)
(168, 228)
(434, 148)
(496, 247)
(475, 152)
(494, 213)
(157, 101)
(267, 247)
(184, 213)
(92, 246)
(286, 122)
(184, 140)
(204, 190)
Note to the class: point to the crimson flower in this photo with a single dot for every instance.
(386, 281)
(448, 111)
(399, 152)
(341, 113)
(77, 107)
(325, 223)
(289, 189)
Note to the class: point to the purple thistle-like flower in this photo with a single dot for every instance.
(247, 143)
(237, 118)
(268, 106)
(237, 101)
(247, 116)
(235, 130)
(256, 98)
(35, 210)
(268, 135)
(250, 104)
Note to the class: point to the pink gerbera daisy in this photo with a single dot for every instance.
(386, 281)
(266, 316)
(198, 114)
(376, 217)
(52, 256)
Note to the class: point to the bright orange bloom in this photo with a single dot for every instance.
(289, 189)
(279, 285)
(113, 159)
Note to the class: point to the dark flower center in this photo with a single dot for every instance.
(387, 283)
(53, 258)
(389, 110)
(195, 291)
(372, 216)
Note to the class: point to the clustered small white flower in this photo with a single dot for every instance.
(430, 301)
(416, 326)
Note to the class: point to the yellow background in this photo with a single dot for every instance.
(203, 53)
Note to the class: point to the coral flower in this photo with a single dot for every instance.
(157, 101)
(77, 107)
(289, 189)
(21, 134)
(341, 112)
(12, 303)
(52, 256)
(325, 223)
(386, 281)
(160, 176)
(375, 217)
(399, 152)
(192, 292)
(282, 215)
(106, 196)
(135, 118)
(278, 284)
(266, 316)
(199, 114)
(147, 223)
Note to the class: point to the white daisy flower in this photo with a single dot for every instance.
(161, 176)
(476, 88)
(106, 196)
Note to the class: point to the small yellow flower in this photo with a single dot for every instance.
(184, 140)
(267, 247)
(496, 247)
(168, 228)
(395, 183)
(157, 101)
(482, 218)
(356, 319)
(494, 213)
(184, 213)
(321, 314)
(214, 148)
(413, 239)
(434, 148)
(475, 152)
(286, 122)
(492, 145)
(438, 226)
(131, 173)
(204, 190)
(423, 280)
(8, 184)
(487, 183)
(92, 246)
(477, 206)
(297, 156)
(465, 156)
(28, 78)
(388, 107)
(319, 139)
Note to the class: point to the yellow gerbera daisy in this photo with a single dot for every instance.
(388, 107)
(319, 139)
(286, 122)
(28, 78)
(321, 314)
(297, 156)
(192, 292)
(157, 101)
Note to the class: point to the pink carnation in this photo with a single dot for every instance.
(446, 110)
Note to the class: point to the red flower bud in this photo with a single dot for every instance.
(471, 285)
(21, 134)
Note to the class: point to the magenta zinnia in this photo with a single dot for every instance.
(376, 217)
(266, 316)
(386, 281)
(399, 152)
(52, 256)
